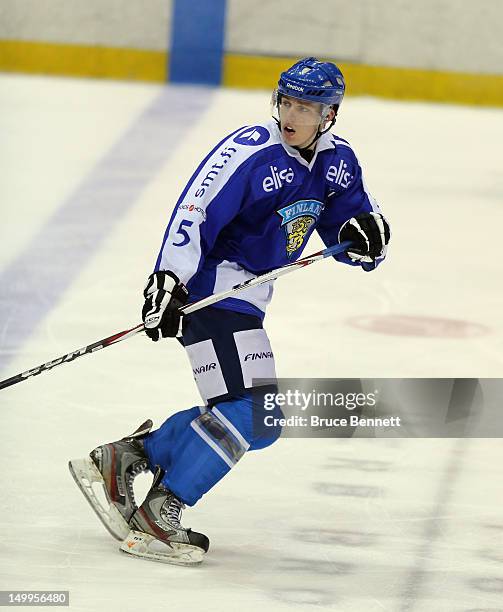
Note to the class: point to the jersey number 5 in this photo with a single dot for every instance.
(185, 237)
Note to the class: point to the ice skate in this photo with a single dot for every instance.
(156, 533)
(113, 466)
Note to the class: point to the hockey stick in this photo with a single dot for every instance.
(211, 299)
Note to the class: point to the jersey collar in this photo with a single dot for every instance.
(324, 143)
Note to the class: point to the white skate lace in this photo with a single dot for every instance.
(174, 511)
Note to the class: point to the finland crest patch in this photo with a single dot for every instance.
(297, 219)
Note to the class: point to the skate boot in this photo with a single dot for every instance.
(156, 533)
(113, 467)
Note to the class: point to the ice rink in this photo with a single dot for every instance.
(90, 172)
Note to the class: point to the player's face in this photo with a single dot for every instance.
(299, 120)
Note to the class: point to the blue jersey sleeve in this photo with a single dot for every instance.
(346, 199)
(211, 199)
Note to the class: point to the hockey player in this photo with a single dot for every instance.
(250, 206)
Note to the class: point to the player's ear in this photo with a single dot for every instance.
(332, 113)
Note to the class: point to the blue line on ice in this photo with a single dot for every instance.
(35, 281)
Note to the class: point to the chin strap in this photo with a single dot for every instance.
(317, 136)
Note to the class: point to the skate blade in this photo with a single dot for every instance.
(145, 546)
(85, 473)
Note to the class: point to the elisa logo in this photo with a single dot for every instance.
(277, 178)
(338, 175)
(252, 137)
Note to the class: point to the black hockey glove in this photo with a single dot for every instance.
(164, 294)
(369, 233)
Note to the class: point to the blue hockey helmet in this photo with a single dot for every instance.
(312, 80)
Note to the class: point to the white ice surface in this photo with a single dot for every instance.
(347, 525)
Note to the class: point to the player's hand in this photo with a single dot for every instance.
(164, 294)
(369, 233)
